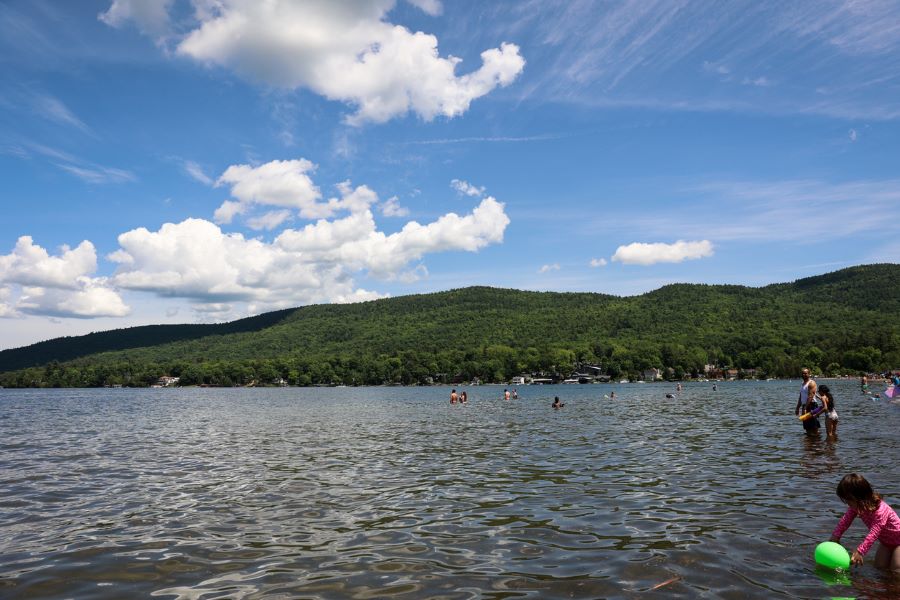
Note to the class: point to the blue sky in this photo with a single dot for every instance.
(175, 161)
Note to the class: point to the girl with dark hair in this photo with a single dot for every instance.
(882, 521)
(831, 416)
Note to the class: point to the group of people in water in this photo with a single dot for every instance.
(818, 400)
(462, 397)
(853, 490)
(815, 400)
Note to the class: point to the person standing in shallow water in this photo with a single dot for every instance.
(453, 396)
(806, 402)
(831, 416)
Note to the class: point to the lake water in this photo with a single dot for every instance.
(392, 492)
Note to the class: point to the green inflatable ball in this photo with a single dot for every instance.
(832, 556)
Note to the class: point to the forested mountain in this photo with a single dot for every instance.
(845, 321)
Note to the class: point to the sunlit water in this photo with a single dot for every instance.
(392, 492)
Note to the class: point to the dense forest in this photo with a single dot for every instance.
(842, 322)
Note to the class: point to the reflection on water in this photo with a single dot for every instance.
(377, 492)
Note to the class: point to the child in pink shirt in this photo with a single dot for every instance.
(882, 521)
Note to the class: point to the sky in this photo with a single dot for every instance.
(188, 161)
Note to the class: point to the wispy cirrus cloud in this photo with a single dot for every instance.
(53, 109)
(87, 171)
(196, 172)
(488, 139)
(27, 101)
(743, 56)
(774, 211)
(98, 174)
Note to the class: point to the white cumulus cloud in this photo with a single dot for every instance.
(344, 50)
(431, 7)
(226, 273)
(195, 259)
(30, 264)
(150, 16)
(58, 286)
(548, 268)
(6, 309)
(94, 299)
(355, 243)
(391, 208)
(269, 220)
(650, 254)
(598, 262)
(282, 183)
(464, 187)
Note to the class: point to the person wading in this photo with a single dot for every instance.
(806, 402)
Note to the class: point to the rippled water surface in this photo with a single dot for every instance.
(377, 492)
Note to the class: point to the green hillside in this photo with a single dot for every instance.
(68, 348)
(845, 321)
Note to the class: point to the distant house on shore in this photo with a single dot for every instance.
(713, 372)
(653, 374)
(166, 381)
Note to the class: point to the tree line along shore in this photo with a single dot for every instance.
(845, 323)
